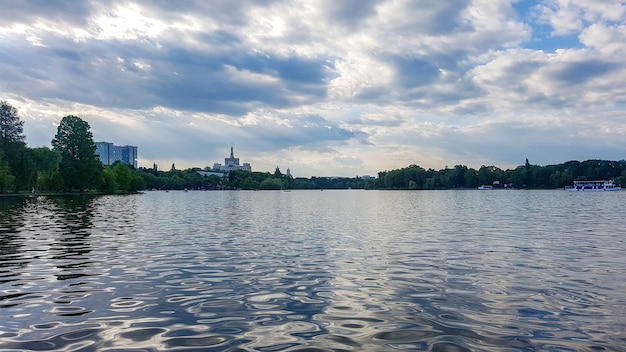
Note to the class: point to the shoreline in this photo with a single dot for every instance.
(61, 194)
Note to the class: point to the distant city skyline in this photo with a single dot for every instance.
(326, 87)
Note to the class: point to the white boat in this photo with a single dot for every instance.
(485, 187)
(593, 186)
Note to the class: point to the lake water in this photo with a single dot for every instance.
(315, 270)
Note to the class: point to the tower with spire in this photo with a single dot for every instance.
(232, 163)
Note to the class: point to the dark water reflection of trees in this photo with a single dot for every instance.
(57, 228)
(11, 220)
(74, 223)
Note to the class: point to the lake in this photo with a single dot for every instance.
(344, 270)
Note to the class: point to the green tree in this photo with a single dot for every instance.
(621, 180)
(149, 179)
(109, 184)
(12, 141)
(123, 176)
(250, 183)
(80, 168)
(137, 182)
(46, 163)
(6, 179)
(39, 169)
(214, 180)
(471, 178)
(271, 183)
(11, 127)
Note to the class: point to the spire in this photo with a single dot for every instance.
(231, 150)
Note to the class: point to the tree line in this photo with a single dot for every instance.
(73, 166)
(237, 179)
(70, 166)
(525, 176)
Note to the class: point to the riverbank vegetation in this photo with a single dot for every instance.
(192, 179)
(72, 166)
(526, 176)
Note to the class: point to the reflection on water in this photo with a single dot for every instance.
(333, 270)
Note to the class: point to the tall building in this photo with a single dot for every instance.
(232, 163)
(110, 153)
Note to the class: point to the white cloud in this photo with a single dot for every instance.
(334, 88)
(572, 16)
(563, 19)
(609, 41)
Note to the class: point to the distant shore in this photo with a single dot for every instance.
(58, 194)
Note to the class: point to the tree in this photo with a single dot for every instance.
(109, 184)
(12, 139)
(471, 178)
(124, 178)
(137, 182)
(11, 127)
(80, 168)
(271, 183)
(250, 183)
(6, 179)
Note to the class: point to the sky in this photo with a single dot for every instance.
(324, 87)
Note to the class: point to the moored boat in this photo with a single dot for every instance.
(593, 186)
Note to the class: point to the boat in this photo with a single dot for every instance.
(593, 186)
(485, 187)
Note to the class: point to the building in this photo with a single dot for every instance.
(231, 163)
(110, 153)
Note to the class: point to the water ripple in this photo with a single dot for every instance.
(313, 271)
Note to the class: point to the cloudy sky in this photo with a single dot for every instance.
(324, 87)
